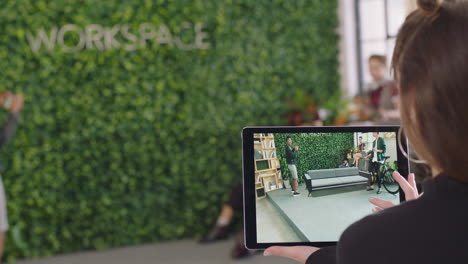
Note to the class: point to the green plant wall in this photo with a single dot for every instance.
(120, 147)
(316, 151)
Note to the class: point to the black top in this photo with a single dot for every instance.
(291, 155)
(430, 229)
(361, 147)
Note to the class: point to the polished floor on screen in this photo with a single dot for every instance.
(322, 217)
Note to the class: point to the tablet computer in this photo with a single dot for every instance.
(306, 185)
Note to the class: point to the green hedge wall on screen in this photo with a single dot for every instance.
(121, 147)
(317, 151)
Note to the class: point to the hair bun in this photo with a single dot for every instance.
(430, 7)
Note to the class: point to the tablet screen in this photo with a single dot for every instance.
(309, 187)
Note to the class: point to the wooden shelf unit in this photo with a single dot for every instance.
(266, 177)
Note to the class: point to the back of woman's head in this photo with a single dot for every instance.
(430, 63)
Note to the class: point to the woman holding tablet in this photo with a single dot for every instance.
(430, 63)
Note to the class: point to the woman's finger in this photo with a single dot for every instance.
(408, 186)
(404, 184)
(412, 182)
(380, 203)
(376, 209)
(297, 253)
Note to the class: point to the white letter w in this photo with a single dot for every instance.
(36, 42)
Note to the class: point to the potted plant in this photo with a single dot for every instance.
(302, 109)
(334, 111)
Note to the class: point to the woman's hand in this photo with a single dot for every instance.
(408, 187)
(297, 253)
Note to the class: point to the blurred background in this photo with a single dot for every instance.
(130, 130)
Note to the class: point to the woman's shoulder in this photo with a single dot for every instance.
(384, 221)
(372, 233)
(410, 228)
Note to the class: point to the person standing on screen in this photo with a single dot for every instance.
(291, 159)
(13, 104)
(376, 155)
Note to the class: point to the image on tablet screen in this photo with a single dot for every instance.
(334, 173)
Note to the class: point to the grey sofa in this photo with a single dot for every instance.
(363, 164)
(333, 178)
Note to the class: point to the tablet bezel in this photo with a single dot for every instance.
(248, 173)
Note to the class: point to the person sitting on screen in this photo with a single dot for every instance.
(291, 159)
(361, 152)
(376, 156)
(345, 164)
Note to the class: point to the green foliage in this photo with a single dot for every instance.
(122, 147)
(392, 165)
(317, 151)
(262, 165)
(285, 173)
(334, 106)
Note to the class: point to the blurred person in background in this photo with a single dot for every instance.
(379, 102)
(13, 104)
(234, 206)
